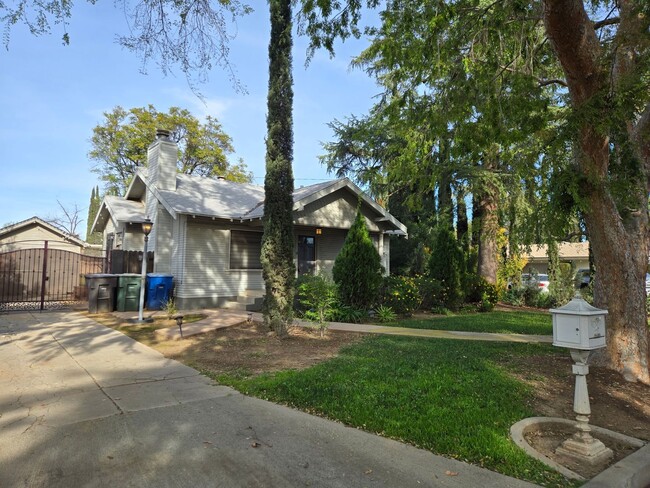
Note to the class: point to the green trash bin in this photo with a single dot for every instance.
(128, 292)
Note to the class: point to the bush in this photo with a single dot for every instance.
(357, 268)
(562, 287)
(446, 265)
(317, 294)
(345, 313)
(514, 296)
(489, 296)
(170, 308)
(385, 314)
(430, 292)
(401, 294)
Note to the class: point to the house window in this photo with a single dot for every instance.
(245, 249)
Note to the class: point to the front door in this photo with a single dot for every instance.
(306, 254)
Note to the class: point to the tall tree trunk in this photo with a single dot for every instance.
(462, 225)
(488, 203)
(618, 237)
(277, 240)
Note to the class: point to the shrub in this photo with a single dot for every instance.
(445, 265)
(430, 292)
(317, 294)
(385, 314)
(489, 296)
(401, 294)
(514, 296)
(562, 287)
(345, 313)
(170, 308)
(357, 268)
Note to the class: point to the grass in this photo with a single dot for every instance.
(500, 322)
(454, 398)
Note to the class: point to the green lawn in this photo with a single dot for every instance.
(515, 322)
(455, 398)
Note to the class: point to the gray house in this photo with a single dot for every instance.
(207, 232)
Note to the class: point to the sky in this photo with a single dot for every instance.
(51, 97)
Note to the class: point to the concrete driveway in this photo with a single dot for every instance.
(82, 405)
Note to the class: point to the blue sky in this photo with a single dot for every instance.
(51, 97)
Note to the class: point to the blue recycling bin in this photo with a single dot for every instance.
(159, 290)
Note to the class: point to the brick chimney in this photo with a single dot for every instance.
(161, 161)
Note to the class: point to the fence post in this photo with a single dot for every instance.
(44, 277)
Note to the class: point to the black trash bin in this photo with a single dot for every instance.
(101, 292)
(128, 292)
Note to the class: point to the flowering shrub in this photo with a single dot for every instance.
(401, 294)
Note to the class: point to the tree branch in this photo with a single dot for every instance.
(609, 21)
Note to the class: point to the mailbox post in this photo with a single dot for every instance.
(581, 328)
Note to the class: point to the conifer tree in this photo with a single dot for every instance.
(93, 208)
(278, 241)
(446, 266)
(357, 269)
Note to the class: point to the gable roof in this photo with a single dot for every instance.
(220, 198)
(37, 221)
(120, 210)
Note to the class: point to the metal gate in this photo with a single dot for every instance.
(36, 279)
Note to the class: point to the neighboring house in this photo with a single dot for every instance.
(574, 253)
(207, 232)
(32, 233)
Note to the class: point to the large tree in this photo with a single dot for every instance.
(607, 68)
(119, 145)
(496, 78)
(277, 240)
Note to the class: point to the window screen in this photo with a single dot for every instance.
(245, 249)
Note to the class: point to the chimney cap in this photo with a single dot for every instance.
(163, 134)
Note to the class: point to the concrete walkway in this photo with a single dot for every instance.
(82, 405)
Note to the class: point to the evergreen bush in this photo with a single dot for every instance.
(401, 294)
(445, 265)
(357, 268)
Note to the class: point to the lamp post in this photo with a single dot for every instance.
(146, 230)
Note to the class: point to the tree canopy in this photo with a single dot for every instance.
(542, 108)
(119, 145)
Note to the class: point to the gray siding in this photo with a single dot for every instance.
(337, 210)
(328, 246)
(206, 272)
(164, 242)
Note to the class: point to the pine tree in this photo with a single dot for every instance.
(446, 266)
(93, 208)
(278, 241)
(357, 269)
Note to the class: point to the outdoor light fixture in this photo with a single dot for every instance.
(319, 231)
(146, 230)
(146, 227)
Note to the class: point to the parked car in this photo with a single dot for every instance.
(583, 277)
(539, 280)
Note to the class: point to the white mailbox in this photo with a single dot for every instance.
(578, 325)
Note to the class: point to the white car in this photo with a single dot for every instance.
(540, 280)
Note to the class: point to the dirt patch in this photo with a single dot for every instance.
(546, 438)
(615, 405)
(248, 349)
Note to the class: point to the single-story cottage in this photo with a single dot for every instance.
(33, 232)
(207, 231)
(574, 253)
